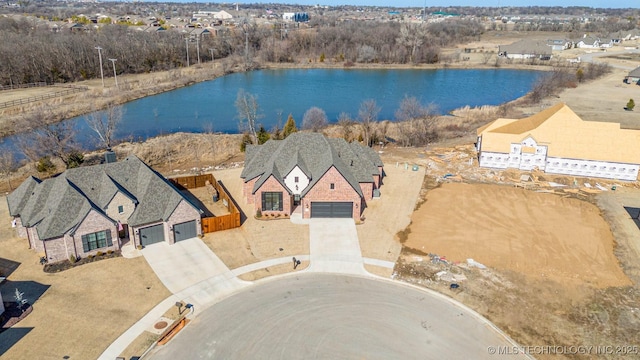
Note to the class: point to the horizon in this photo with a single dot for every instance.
(611, 4)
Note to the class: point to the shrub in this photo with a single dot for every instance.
(246, 140)
(45, 165)
(109, 252)
(75, 159)
(139, 247)
(99, 253)
(72, 259)
(631, 104)
(259, 213)
(91, 256)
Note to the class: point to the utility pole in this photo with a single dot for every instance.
(246, 47)
(198, 48)
(115, 76)
(424, 11)
(186, 42)
(100, 56)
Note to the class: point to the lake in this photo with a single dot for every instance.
(210, 105)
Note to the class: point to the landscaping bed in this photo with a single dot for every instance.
(66, 264)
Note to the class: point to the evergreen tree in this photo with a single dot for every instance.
(263, 135)
(631, 104)
(289, 127)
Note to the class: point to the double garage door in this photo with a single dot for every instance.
(155, 234)
(331, 209)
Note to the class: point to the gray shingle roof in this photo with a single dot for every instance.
(18, 199)
(57, 205)
(526, 47)
(635, 72)
(314, 154)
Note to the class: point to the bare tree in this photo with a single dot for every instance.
(8, 165)
(105, 123)
(248, 113)
(410, 108)
(346, 123)
(412, 37)
(314, 119)
(367, 115)
(50, 138)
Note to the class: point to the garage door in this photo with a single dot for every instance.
(185, 231)
(152, 234)
(331, 209)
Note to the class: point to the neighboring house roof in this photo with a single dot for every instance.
(526, 47)
(314, 154)
(566, 135)
(55, 206)
(589, 40)
(635, 72)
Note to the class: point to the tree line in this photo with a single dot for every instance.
(33, 53)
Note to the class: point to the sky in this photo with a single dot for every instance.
(444, 3)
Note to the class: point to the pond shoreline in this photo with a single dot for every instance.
(138, 86)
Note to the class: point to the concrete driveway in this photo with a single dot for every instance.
(185, 264)
(334, 247)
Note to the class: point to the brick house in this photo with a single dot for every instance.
(99, 208)
(312, 174)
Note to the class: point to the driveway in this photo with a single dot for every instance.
(334, 247)
(329, 316)
(190, 270)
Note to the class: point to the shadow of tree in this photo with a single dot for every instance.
(32, 290)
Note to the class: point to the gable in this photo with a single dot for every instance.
(321, 188)
(270, 183)
(296, 181)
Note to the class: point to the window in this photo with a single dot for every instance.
(271, 201)
(96, 240)
(296, 179)
(332, 186)
(120, 209)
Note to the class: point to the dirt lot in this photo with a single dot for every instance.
(544, 236)
(78, 312)
(561, 271)
(385, 216)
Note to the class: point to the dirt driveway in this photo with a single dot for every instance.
(78, 312)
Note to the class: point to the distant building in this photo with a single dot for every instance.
(526, 49)
(297, 17)
(557, 141)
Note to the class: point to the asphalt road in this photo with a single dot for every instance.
(324, 316)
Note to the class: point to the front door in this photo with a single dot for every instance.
(296, 200)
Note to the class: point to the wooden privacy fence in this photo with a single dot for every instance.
(215, 223)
